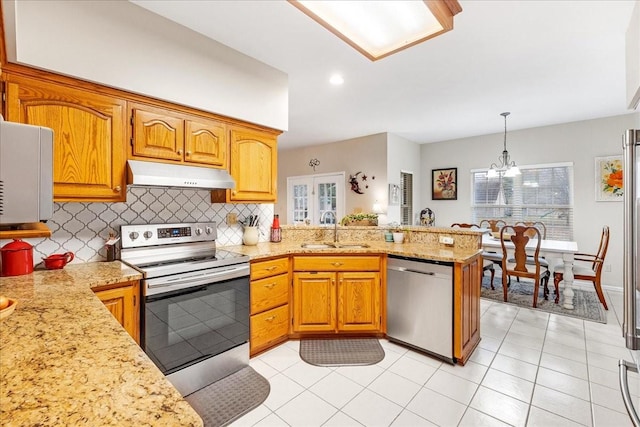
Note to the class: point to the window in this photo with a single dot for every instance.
(309, 196)
(540, 193)
(406, 204)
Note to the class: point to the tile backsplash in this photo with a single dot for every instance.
(83, 228)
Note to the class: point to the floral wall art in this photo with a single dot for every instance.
(444, 184)
(609, 179)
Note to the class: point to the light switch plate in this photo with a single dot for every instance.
(232, 218)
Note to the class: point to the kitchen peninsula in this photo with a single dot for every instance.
(65, 360)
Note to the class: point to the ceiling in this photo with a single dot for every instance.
(546, 62)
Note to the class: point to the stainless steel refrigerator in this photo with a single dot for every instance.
(631, 277)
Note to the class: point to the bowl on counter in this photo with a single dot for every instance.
(6, 312)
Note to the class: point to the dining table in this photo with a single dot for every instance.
(551, 249)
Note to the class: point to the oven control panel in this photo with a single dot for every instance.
(134, 236)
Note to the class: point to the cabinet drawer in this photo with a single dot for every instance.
(269, 326)
(273, 267)
(336, 263)
(269, 292)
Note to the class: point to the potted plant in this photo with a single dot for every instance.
(361, 219)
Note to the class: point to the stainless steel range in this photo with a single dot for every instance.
(194, 322)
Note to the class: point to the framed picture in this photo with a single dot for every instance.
(609, 179)
(444, 184)
(394, 194)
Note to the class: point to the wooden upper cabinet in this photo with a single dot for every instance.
(205, 142)
(253, 166)
(166, 135)
(89, 136)
(156, 134)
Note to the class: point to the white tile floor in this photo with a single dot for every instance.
(531, 368)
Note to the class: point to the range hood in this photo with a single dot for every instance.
(154, 174)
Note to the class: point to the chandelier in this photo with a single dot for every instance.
(507, 167)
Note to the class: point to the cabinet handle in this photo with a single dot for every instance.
(273, 267)
(336, 264)
(134, 300)
(117, 189)
(269, 285)
(179, 151)
(269, 319)
(233, 193)
(188, 153)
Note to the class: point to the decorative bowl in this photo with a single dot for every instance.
(6, 312)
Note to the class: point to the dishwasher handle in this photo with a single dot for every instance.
(623, 367)
(411, 270)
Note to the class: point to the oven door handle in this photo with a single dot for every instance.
(183, 281)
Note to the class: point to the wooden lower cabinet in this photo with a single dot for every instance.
(269, 295)
(269, 327)
(466, 310)
(330, 301)
(359, 301)
(123, 302)
(314, 302)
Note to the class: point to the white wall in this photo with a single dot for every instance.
(632, 58)
(366, 154)
(577, 142)
(122, 45)
(403, 156)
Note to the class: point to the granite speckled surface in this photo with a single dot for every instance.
(65, 360)
(420, 242)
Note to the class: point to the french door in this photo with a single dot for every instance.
(310, 196)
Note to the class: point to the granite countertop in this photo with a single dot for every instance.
(65, 360)
(416, 250)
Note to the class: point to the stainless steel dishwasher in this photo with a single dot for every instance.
(420, 305)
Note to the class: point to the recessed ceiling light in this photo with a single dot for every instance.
(336, 80)
(379, 28)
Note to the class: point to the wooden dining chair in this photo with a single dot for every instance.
(516, 261)
(592, 273)
(487, 264)
(493, 224)
(537, 224)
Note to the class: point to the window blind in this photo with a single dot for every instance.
(541, 193)
(406, 204)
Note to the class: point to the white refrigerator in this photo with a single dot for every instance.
(631, 266)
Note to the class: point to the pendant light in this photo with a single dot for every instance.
(507, 167)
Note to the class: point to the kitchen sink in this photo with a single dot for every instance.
(352, 245)
(318, 245)
(323, 245)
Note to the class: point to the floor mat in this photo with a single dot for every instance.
(586, 303)
(341, 352)
(228, 399)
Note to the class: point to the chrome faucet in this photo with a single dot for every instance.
(335, 223)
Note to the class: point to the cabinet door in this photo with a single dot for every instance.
(89, 151)
(122, 302)
(314, 296)
(157, 134)
(205, 142)
(359, 301)
(253, 166)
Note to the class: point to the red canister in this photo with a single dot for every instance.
(17, 258)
